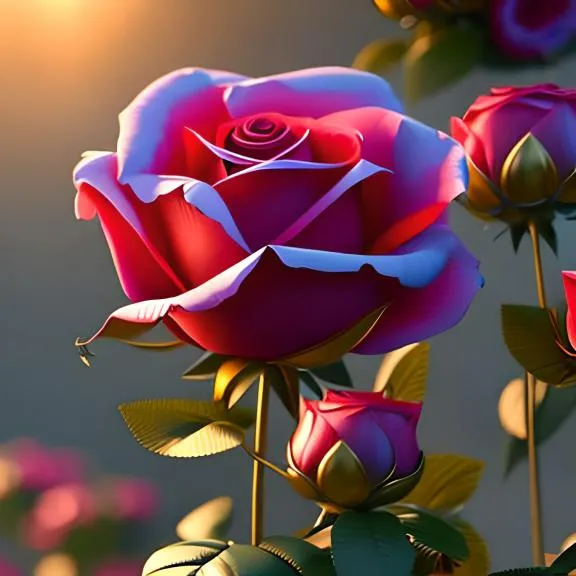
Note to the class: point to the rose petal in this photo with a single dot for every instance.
(308, 449)
(569, 280)
(230, 313)
(557, 133)
(354, 176)
(267, 198)
(359, 429)
(142, 270)
(314, 92)
(402, 436)
(471, 142)
(196, 193)
(178, 220)
(428, 167)
(420, 314)
(151, 126)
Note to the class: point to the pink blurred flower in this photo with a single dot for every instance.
(56, 512)
(8, 569)
(134, 499)
(119, 568)
(40, 469)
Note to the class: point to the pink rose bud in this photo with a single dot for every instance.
(521, 154)
(355, 449)
(135, 499)
(120, 568)
(40, 469)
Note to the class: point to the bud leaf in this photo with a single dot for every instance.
(342, 478)
(233, 379)
(482, 195)
(568, 190)
(529, 174)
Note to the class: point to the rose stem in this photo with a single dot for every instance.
(257, 466)
(530, 384)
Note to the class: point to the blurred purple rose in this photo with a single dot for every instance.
(528, 29)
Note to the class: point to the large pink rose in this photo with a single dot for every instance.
(529, 29)
(260, 217)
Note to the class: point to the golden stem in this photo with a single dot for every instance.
(258, 467)
(530, 383)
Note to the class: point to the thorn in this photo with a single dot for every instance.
(84, 353)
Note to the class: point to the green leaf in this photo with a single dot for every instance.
(374, 542)
(177, 559)
(305, 558)
(478, 562)
(441, 58)
(531, 340)
(432, 531)
(310, 382)
(380, 55)
(406, 380)
(447, 483)
(557, 406)
(565, 562)
(335, 373)
(205, 367)
(209, 521)
(184, 428)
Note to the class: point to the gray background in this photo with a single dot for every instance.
(67, 69)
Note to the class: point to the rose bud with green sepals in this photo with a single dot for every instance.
(355, 450)
(521, 148)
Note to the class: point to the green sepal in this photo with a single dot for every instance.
(335, 373)
(205, 367)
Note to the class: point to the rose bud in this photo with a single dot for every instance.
(355, 450)
(521, 152)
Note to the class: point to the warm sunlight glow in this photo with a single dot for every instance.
(56, 565)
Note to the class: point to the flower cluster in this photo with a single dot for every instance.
(279, 224)
(51, 505)
(451, 37)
